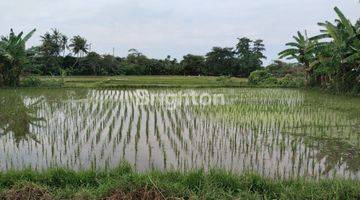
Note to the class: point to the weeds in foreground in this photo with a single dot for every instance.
(124, 183)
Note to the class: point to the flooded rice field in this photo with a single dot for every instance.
(275, 132)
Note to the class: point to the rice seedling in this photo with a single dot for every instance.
(302, 133)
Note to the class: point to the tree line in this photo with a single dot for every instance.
(57, 54)
(330, 60)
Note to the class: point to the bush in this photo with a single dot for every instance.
(258, 77)
(292, 81)
(270, 81)
(31, 81)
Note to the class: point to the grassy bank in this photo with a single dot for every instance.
(155, 82)
(141, 81)
(124, 183)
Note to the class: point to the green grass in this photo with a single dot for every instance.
(215, 184)
(143, 81)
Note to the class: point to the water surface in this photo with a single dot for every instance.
(275, 132)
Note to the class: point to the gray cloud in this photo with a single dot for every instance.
(159, 28)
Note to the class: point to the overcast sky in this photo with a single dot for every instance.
(159, 28)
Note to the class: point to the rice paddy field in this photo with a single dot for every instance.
(197, 135)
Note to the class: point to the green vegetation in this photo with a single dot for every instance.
(13, 57)
(307, 133)
(286, 135)
(31, 81)
(77, 110)
(55, 55)
(259, 77)
(134, 81)
(266, 78)
(331, 59)
(124, 183)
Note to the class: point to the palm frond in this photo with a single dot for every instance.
(352, 58)
(293, 44)
(28, 36)
(319, 37)
(344, 21)
(332, 30)
(288, 52)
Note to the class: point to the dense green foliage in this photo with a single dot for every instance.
(259, 76)
(13, 57)
(123, 183)
(57, 56)
(279, 74)
(331, 59)
(31, 81)
(53, 56)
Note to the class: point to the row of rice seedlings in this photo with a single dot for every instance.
(245, 142)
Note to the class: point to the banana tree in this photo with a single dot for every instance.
(13, 56)
(339, 49)
(343, 36)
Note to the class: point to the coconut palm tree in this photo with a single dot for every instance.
(53, 43)
(13, 56)
(79, 46)
(63, 44)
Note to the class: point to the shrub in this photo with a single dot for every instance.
(31, 81)
(270, 81)
(258, 76)
(292, 81)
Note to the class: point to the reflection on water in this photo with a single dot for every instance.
(337, 154)
(278, 133)
(17, 115)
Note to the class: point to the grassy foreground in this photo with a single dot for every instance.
(143, 81)
(124, 183)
